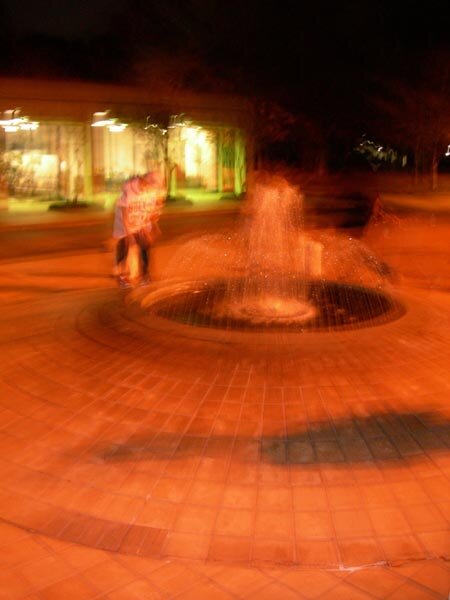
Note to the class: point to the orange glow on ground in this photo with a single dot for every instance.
(137, 463)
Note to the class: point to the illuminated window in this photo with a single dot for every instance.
(46, 160)
(120, 154)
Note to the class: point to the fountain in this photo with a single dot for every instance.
(270, 275)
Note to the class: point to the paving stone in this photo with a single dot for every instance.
(123, 440)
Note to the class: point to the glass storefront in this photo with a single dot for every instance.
(192, 153)
(117, 155)
(76, 160)
(46, 161)
(192, 156)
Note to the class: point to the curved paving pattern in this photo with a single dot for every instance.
(147, 440)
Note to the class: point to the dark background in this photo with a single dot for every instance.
(321, 63)
(285, 42)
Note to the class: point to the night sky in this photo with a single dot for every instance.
(282, 41)
(63, 18)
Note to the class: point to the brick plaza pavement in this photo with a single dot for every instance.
(137, 462)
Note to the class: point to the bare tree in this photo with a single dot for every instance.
(416, 116)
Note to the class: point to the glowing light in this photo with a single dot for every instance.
(179, 121)
(29, 125)
(44, 167)
(198, 149)
(101, 119)
(104, 123)
(117, 127)
(12, 122)
(150, 125)
(448, 151)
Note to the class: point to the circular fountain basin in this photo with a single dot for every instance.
(322, 306)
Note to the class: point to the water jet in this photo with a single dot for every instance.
(272, 275)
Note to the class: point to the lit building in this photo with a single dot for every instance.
(74, 140)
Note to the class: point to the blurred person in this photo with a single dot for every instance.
(136, 218)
